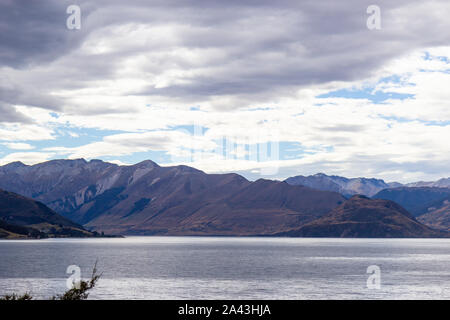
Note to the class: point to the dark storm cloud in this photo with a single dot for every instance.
(11, 95)
(279, 46)
(33, 32)
(264, 48)
(8, 114)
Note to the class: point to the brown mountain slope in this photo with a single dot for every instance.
(190, 202)
(160, 200)
(416, 200)
(438, 216)
(22, 217)
(361, 217)
(262, 207)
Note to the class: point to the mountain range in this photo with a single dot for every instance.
(345, 186)
(427, 201)
(442, 183)
(148, 199)
(364, 186)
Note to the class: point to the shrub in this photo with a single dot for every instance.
(80, 292)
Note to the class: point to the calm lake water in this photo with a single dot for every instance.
(231, 268)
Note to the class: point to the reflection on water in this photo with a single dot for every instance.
(231, 268)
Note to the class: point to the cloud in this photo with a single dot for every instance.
(19, 132)
(250, 71)
(28, 158)
(11, 115)
(347, 136)
(18, 146)
(222, 56)
(33, 32)
(171, 142)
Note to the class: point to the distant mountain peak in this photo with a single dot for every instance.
(96, 161)
(346, 186)
(61, 163)
(441, 183)
(185, 169)
(15, 164)
(147, 164)
(320, 174)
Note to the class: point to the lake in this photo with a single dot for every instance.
(231, 268)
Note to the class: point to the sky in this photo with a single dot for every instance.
(267, 89)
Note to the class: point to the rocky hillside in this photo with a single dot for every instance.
(21, 217)
(441, 183)
(345, 186)
(361, 217)
(417, 200)
(438, 215)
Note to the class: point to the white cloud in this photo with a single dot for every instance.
(128, 143)
(18, 146)
(354, 137)
(16, 132)
(120, 163)
(29, 158)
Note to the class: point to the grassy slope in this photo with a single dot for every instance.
(21, 217)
